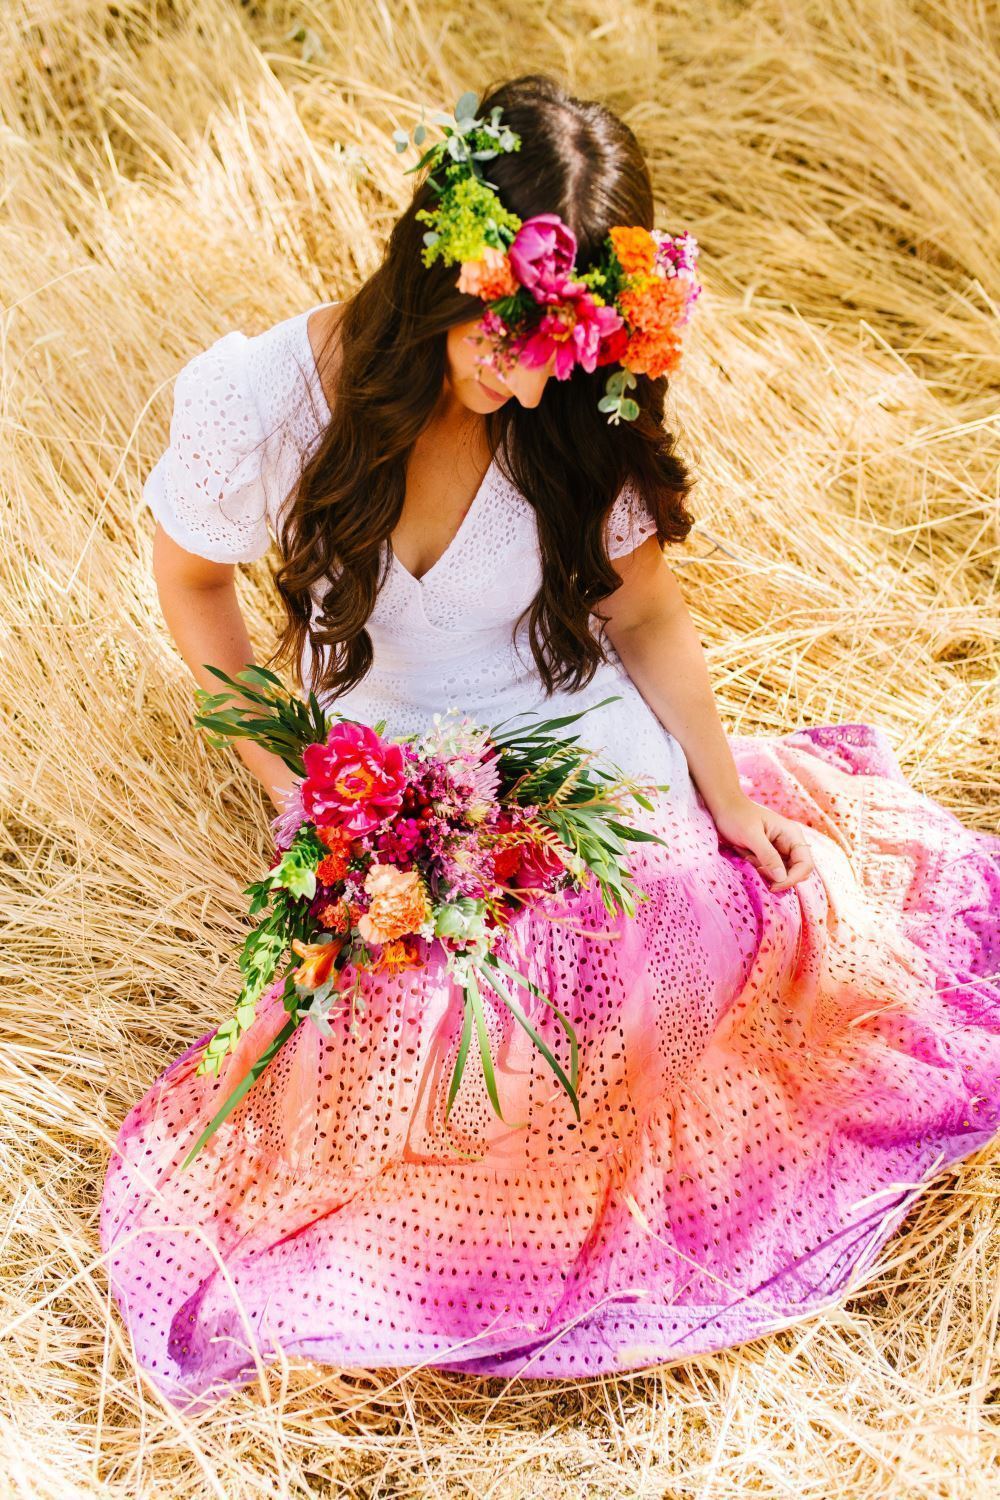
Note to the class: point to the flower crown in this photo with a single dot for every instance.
(626, 309)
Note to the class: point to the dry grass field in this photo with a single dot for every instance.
(172, 169)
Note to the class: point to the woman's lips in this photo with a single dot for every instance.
(497, 395)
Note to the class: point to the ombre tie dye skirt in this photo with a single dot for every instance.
(767, 1081)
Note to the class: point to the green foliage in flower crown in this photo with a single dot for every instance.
(605, 277)
(615, 401)
(469, 214)
(468, 217)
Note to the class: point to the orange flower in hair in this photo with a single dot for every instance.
(652, 354)
(634, 247)
(490, 277)
(654, 305)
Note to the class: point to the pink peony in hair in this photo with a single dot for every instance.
(542, 255)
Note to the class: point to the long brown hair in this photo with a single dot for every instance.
(577, 159)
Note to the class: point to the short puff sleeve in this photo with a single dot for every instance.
(207, 489)
(629, 522)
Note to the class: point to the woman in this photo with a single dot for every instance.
(797, 1030)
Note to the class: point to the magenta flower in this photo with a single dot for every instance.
(572, 331)
(397, 844)
(540, 868)
(542, 255)
(674, 253)
(491, 324)
(355, 780)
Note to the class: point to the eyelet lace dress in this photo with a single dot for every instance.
(767, 1078)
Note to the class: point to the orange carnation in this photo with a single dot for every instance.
(335, 916)
(399, 904)
(333, 867)
(652, 354)
(488, 277)
(654, 305)
(634, 247)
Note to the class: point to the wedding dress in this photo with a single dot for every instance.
(767, 1078)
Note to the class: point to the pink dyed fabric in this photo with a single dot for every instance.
(768, 1079)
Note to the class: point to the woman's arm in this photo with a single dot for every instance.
(199, 604)
(650, 628)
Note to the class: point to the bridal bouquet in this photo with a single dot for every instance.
(390, 848)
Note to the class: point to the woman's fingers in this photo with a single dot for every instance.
(767, 858)
(790, 839)
(777, 846)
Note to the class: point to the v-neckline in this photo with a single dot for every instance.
(473, 504)
(452, 545)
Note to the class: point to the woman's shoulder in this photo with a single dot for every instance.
(629, 521)
(247, 408)
(274, 371)
(205, 487)
(322, 326)
(283, 370)
(265, 374)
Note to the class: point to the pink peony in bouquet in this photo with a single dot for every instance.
(387, 848)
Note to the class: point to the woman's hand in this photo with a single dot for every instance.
(650, 628)
(774, 844)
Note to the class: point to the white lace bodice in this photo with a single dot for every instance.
(247, 411)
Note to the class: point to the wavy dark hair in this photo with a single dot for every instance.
(577, 159)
